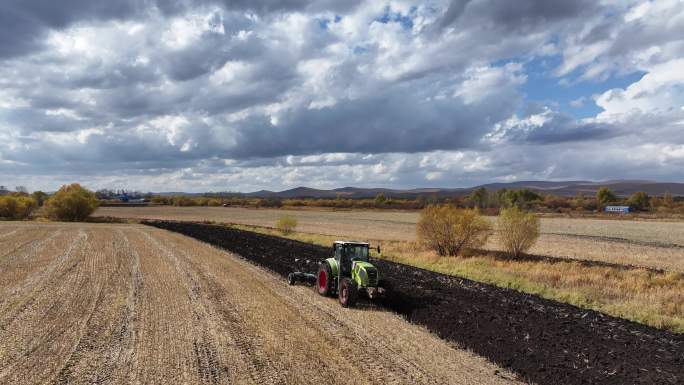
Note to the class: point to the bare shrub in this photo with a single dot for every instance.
(450, 231)
(16, 207)
(71, 203)
(286, 224)
(518, 230)
(183, 201)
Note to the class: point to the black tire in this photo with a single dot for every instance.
(324, 279)
(348, 292)
(291, 279)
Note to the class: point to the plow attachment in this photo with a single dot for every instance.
(299, 277)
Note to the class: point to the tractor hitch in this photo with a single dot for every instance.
(375, 292)
(299, 277)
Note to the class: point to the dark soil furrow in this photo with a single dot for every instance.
(543, 341)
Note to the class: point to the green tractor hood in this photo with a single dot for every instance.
(365, 274)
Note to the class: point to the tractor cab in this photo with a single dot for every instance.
(345, 253)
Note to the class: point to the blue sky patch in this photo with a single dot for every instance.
(572, 96)
(324, 22)
(406, 20)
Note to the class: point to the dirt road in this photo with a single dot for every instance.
(128, 304)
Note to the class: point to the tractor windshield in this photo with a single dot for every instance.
(357, 252)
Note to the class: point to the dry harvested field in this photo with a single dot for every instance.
(653, 244)
(130, 304)
(545, 342)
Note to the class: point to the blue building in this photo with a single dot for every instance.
(617, 209)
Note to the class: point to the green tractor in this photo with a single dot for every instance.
(349, 273)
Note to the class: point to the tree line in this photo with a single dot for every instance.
(70, 203)
(489, 202)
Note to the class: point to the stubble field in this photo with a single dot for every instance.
(127, 304)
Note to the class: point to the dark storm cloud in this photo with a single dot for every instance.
(515, 15)
(23, 23)
(563, 129)
(557, 127)
(454, 12)
(102, 75)
(397, 120)
(528, 12)
(29, 120)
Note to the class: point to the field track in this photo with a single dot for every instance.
(543, 341)
(131, 304)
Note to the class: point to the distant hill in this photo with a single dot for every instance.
(564, 188)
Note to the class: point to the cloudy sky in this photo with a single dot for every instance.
(199, 95)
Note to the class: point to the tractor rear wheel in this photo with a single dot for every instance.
(348, 292)
(324, 279)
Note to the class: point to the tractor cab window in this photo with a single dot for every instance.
(338, 252)
(357, 253)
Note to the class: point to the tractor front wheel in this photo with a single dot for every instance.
(348, 292)
(324, 279)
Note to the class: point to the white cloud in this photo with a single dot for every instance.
(231, 71)
(481, 82)
(660, 91)
(390, 93)
(188, 29)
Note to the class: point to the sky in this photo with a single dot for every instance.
(211, 95)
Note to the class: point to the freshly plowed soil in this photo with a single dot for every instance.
(543, 341)
(129, 304)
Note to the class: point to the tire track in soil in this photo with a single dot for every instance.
(172, 346)
(9, 233)
(88, 332)
(18, 243)
(261, 369)
(128, 334)
(36, 279)
(32, 333)
(204, 347)
(105, 333)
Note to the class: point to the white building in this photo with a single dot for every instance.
(617, 209)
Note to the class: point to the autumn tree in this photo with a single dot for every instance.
(450, 231)
(639, 201)
(518, 230)
(604, 196)
(71, 203)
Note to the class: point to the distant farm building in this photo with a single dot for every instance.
(617, 209)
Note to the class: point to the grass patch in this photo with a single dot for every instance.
(640, 295)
